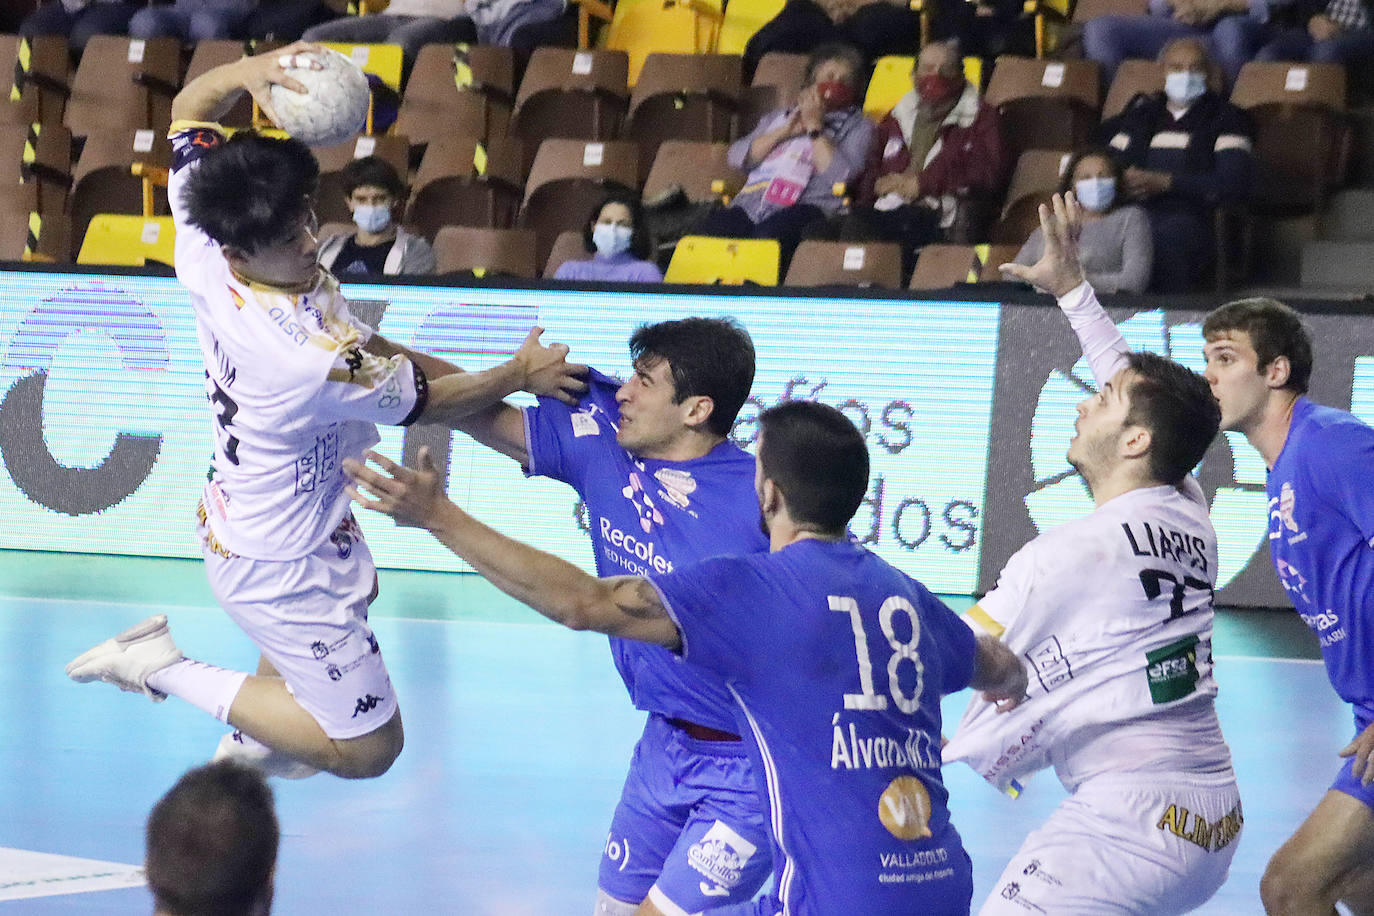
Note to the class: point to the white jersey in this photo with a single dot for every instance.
(1113, 614)
(292, 391)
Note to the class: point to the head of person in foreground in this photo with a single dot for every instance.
(1259, 357)
(812, 465)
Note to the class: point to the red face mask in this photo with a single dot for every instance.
(835, 95)
(935, 89)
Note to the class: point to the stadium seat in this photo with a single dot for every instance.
(124, 83)
(463, 181)
(567, 94)
(742, 19)
(569, 246)
(126, 240)
(485, 251)
(40, 71)
(644, 27)
(941, 266)
(777, 82)
(329, 196)
(568, 180)
(991, 258)
(1034, 179)
(699, 169)
(381, 60)
(41, 156)
(1045, 104)
(469, 89)
(819, 263)
(103, 181)
(730, 262)
(1303, 139)
(1132, 78)
(1084, 10)
(34, 236)
(890, 81)
(683, 97)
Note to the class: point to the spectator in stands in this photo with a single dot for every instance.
(1227, 25)
(984, 28)
(874, 27)
(375, 195)
(617, 236)
(412, 24)
(212, 843)
(796, 156)
(1335, 31)
(1115, 246)
(192, 20)
(285, 20)
(78, 20)
(938, 147)
(1185, 151)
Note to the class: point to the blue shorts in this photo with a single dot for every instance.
(691, 825)
(1347, 782)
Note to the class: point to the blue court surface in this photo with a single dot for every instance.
(517, 737)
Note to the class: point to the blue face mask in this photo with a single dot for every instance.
(1095, 194)
(610, 239)
(372, 217)
(1183, 87)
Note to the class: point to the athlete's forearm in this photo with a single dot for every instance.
(1098, 335)
(461, 394)
(432, 366)
(997, 670)
(207, 96)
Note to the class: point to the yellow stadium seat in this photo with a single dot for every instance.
(892, 79)
(732, 262)
(127, 240)
(643, 27)
(742, 19)
(382, 60)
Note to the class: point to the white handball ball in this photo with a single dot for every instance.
(334, 106)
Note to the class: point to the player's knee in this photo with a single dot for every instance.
(606, 905)
(369, 756)
(1290, 885)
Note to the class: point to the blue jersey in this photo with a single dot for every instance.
(837, 661)
(1321, 538)
(648, 517)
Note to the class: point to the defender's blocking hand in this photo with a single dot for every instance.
(1058, 271)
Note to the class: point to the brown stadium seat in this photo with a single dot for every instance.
(942, 266)
(464, 89)
(35, 79)
(1132, 77)
(33, 236)
(777, 82)
(329, 198)
(485, 251)
(103, 183)
(568, 180)
(1084, 10)
(1033, 181)
(463, 181)
(991, 258)
(818, 263)
(698, 169)
(124, 83)
(683, 97)
(571, 94)
(569, 246)
(36, 161)
(1045, 104)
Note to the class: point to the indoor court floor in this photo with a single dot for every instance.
(517, 738)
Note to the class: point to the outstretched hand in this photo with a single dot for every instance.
(546, 370)
(263, 71)
(1058, 271)
(413, 496)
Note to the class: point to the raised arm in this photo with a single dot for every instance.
(535, 368)
(209, 95)
(627, 606)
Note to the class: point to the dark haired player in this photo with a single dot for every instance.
(835, 660)
(296, 385)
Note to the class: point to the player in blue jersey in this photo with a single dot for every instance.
(1321, 539)
(836, 662)
(663, 486)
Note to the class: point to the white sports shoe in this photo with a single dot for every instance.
(250, 752)
(126, 660)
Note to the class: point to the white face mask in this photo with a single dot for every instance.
(610, 239)
(1183, 87)
(372, 217)
(1095, 194)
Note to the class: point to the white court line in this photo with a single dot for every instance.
(25, 875)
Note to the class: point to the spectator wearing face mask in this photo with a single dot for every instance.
(1185, 152)
(1115, 247)
(796, 156)
(617, 238)
(375, 194)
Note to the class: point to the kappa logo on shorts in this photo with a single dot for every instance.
(720, 855)
(366, 704)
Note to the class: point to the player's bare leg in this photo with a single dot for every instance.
(1328, 859)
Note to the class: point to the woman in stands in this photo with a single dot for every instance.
(617, 237)
(375, 195)
(1115, 247)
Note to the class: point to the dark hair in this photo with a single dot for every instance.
(370, 170)
(710, 357)
(1101, 152)
(250, 191)
(641, 245)
(1176, 405)
(817, 457)
(212, 843)
(838, 50)
(1274, 329)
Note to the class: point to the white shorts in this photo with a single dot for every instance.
(1149, 845)
(309, 619)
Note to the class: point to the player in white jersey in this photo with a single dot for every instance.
(1114, 614)
(296, 385)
